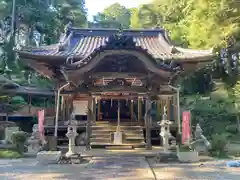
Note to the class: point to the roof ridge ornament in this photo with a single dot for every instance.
(174, 50)
(120, 41)
(70, 59)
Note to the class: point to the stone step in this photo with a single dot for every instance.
(100, 140)
(114, 122)
(116, 146)
(134, 141)
(100, 135)
(125, 147)
(115, 127)
(134, 137)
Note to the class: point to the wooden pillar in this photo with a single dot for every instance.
(94, 109)
(99, 109)
(132, 110)
(118, 116)
(175, 107)
(88, 127)
(29, 103)
(147, 125)
(139, 110)
(159, 112)
(168, 108)
(67, 111)
(62, 104)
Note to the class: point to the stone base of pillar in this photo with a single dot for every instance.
(51, 143)
(88, 147)
(69, 153)
(148, 147)
(117, 138)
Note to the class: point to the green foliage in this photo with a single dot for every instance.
(9, 154)
(184, 148)
(218, 145)
(213, 115)
(2, 133)
(19, 139)
(199, 82)
(232, 128)
(18, 100)
(72, 11)
(197, 24)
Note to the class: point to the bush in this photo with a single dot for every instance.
(218, 145)
(2, 133)
(19, 139)
(233, 129)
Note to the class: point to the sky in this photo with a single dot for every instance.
(95, 6)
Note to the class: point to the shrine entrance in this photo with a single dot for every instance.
(109, 110)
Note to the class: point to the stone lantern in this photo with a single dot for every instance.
(165, 130)
(71, 135)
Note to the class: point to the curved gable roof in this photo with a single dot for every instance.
(80, 43)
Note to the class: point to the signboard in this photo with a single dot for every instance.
(186, 132)
(41, 123)
(80, 107)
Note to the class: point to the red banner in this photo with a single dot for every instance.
(186, 134)
(41, 123)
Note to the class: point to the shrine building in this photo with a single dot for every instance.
(115, 81)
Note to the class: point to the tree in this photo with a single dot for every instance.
(114, 15)
(134, 18)
(73, 11)
(37, 22)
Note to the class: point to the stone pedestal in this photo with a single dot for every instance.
(48, 157)
(33, 146)
(71, 134)
(51, 143)
(34, 140)
(117, 138)
(200, 143)
(191, 156)
(9, 132)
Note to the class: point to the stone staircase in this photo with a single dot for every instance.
(102, 135)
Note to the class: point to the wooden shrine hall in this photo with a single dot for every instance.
(115, 79)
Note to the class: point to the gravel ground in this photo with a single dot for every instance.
(117, 168)
(210, 170)
(107, 168)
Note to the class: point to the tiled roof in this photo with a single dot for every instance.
(82, 42)
(9, 87)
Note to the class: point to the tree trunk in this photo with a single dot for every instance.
(238, 123)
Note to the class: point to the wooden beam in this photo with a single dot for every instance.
(119, 97)
(117, 75)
